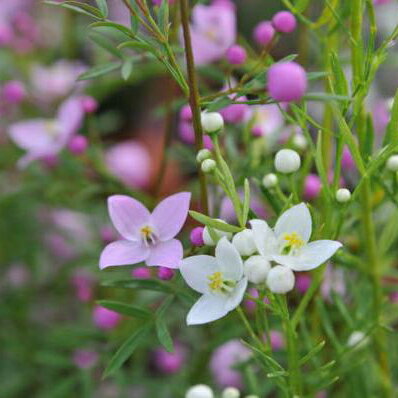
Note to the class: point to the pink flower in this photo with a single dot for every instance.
(284, 21)
(347, 161)
(277, 341)
(165, 274)
(130, 162)
(147, 237)
(83, 284)
(85, 359)
(213, 31)
(312, 187)
(105, 319)
(303, 282)
(13, 92)
(141, 273)
(41, 138)
(224, 359)
(170, 362)
(196, 236)
(236, 55)
(263, 33)
(267, 120)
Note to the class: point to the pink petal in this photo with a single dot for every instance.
(170, 214)
(127, 215)
(166, 254)
(123, 252)
(70, 117)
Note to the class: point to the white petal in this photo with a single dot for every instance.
(236, 296)
(229, 260)
(207, 309)
(264, 238)
(196, 269)
(297, 219)
(311, 256)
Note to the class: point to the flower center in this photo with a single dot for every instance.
(292, 242)
(147, 235)
(52, 128)
(219, 284)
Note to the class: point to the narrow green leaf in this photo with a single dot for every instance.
(81, 8)
(116, 26)
(103, 7)
(161, 327)
(126, 350)
(246, 202)
(106, 44)
(312, 353)
(216, 224)
(127, 69)
(125, 309)
(145, 284)
(219, 103)
(392, 130)
(99, 70)
(136, 45)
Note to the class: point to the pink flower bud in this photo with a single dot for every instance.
(263, 33)
(207, 142)
(14, 92)
(347, 160)
(276, 340)
(85, 359)
(90, 104)
(141, 273)
(236, 55)
(170, 362)
(284, 21)
(287, 81)
(165, 274)
(186, 113)
(108, 234)
(303, 282)
(78, 144)
(196, 236)
(312, 187)
(105, 319)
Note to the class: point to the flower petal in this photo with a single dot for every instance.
(264, 238)
(170, 214)
(297, 219)
(123, 252)
(127, 215)
(207, 309)
(237, 295)
(196, 269)
(311, 256)
(166, 254)
(228, 259)
(70, 117)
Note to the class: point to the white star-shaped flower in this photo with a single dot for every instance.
(220, 279)
(288, 243)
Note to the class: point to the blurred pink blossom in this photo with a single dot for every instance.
(105, 319)
(85, 359)
(170, 362)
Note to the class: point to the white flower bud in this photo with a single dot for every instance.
(390, 103)
(280, 279)
(256, 269)
(207, 238)
(212, 122)
(202, 155)
(343, 195)
(300, 142)
(244, 242)
(392, 163)
(270, 180)
(208, 166)
(199, 391)
(357, 339)
(287, 161)
(230, 392)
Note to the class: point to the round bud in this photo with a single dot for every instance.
(212, 122)
(14, 92)
(78, 144)
(343, 195)
(196, 236)
(186, 113)
(90, 104)
(165, 274)
(287, 81)
(230, 392)
(270, 180)
(284, 21)
(280, 279)
(312, 186)
(287, 161)
(392, 163)
(199, 391)
(208, 165)
(244, 242)
(256, 269)
(202, 155)
(300, 142)
(263, 33)
(236, 55)
(207, 238)
(357, 339)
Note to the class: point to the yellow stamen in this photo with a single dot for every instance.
(216, 281)
(146, 232)
(293, 240)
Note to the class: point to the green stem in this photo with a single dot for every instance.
(194, 99)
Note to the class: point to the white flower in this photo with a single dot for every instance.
(256, 269)
(199, 391)
(244, 242)
(208, 166)
(211, 122)
(343, 195)
(287, 244)
(392, 163)
(220, 279)
(357, 339)
(230, 392)
(287, 161)
(280, 279)
(207, 238)
(270, 180)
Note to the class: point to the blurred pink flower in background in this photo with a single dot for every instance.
(251, 305)
(83, 284)
(347, 161)
(105, 319)
(223, 361)
(333, 281)
(303, 282)
(41, 138)
(141, 273)
(381, 116)
(170, 362)
(58, 80)
(277, 341)
(267, 120)
(17, 275)
(130, 162)
(213, 31)
(13, 92)
(85, 359)
(227, 211)
(312, 187)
